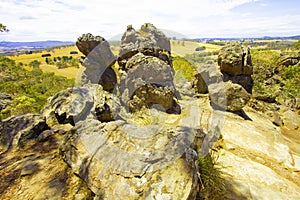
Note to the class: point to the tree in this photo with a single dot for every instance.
(3, 28)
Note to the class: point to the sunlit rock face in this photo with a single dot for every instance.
(235, 64)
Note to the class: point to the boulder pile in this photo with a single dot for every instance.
(229, 83)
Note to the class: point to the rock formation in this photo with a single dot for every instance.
(235, 64)
(147, 73)
(289, 60)
(138, 140)
(148, 40)
(224, 95)
(98, 62)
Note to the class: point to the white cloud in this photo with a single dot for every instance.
(67, 19)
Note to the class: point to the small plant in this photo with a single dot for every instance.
(212, 185)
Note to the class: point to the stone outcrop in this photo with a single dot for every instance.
(86, 145)
(31, 167)
(148, 81)
(225, 95)
(228, 96)
(289, 60)
(98, 62)
(125, 161)
(148, 40)
(235, 64)
(207, 74)
(74, 105)
(147, 75)
(16, 131)
(5, 99)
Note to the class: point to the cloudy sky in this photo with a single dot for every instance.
(34, 20)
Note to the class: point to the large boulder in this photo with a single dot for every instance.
(73, 105)
(235, 64)
(207, 74)
(148, 40)
(245, 81)
(124, 161)
(235, 59)
(98, 62)
(228, 96)
(87, 42)
(148, 81)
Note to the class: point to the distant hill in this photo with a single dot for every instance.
(4, 46)
(168, 33)
(296, 37)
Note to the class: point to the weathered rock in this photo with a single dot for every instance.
(235, 59)
(290, 119)
(277, 119)
(266, 97)
(98, 61)
(16, 131)
(245, 81)
(293, 104)
(125, 161)
(152, 96)
(228, 96)
(87, 42)
(158, 75)
(235, 63)
(148, 40)
(37, 171)
(207, 74)
(289, 60)
(76, 104)
(199, 84)
(5, 99)
(266, 165)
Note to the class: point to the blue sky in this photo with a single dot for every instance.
(33, 20)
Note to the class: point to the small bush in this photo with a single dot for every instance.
(212, 185)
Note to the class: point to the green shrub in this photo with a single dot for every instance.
(183, 69)
(29, 89)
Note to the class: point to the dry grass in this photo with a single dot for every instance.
(70, 72)
(181, 48)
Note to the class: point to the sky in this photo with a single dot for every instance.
(66, 20)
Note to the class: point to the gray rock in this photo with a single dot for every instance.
(245, 81)
(87, 42)
(124, 161)
(228, 96)
(207, 74)
(289, 60)
(98, 61)
(148, 40)
(235, 59)
(16, 131)
(152, 96)
(149, 80)
(76, 104)
(5, 99)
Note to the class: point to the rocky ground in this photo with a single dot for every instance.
(141, 137)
